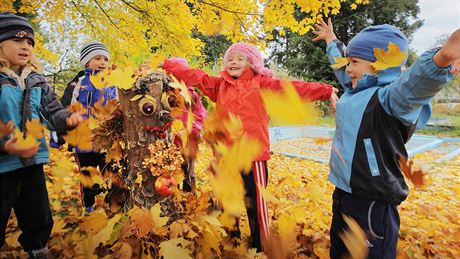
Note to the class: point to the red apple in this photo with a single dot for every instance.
(165, 185)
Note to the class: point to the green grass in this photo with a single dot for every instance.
(452, 131)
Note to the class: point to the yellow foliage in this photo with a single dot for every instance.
(175, 248)
(393, 57)
(27, 142)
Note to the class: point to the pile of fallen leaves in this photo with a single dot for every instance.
(299, 199)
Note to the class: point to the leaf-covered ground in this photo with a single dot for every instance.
(430, 224)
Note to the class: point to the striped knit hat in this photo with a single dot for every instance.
(92, 49)
(13, 26)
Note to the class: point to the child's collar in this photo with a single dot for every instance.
(247, 74)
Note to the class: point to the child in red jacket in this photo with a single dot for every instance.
(237, 91)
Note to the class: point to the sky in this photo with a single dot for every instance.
(440, 16)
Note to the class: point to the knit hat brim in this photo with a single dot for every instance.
(14, 26)
(92, 50)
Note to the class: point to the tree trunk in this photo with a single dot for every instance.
(142, 111)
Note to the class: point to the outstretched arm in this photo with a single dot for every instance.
(335, 49)
(408, 98)
(193, 77)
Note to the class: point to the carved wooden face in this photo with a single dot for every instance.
(145, 120)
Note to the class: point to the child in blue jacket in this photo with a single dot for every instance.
(94, 56)
(376, 116)
(25, 95)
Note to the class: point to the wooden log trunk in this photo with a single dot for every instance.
(142, 109)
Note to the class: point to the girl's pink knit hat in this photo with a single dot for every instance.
(253, 55)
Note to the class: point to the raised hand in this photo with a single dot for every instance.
(334, 98)
(449, 54)
(324, 31)
(75, 119)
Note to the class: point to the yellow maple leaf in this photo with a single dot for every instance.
(61, 170)
(268, 196)
(155, 60)
(339, 62)
(94, 223)
(287, 107)
(98, 79)
(6, 129)
(175, 248)
(35, 128)
(141, 221)
(122, 77)
(80, 136)
(28, 142)
(158, 220)
(393, 57)
(354, 239)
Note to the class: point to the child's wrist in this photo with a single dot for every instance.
(330, 39)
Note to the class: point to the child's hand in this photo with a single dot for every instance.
(334, 98)
(325, 31)
(14, 149)
(160, 65)
(449, 54)
(74, 119)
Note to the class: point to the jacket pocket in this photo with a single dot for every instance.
(371, 159)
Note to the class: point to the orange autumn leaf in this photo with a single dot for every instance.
(320, 141)
(354, 238)
(416, 176)
(6, 129)
(141, 221)
(35, 128)
(339, 62)
(175, 248)
(393, 57)
(80, 136)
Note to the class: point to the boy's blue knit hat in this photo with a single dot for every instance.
(379, 36)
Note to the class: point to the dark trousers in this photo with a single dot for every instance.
(256, 207)
(188, 185)
(24, 190)
(379, 221)
(90, 160)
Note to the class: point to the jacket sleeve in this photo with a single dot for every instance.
(52, 110)
(408, 98)
(3, 140)
(199, 112)
(336, 49)
(194, 77)
(312, 91)
(66, 99)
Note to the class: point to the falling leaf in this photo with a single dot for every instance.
(393, 57)
(354, 239)
(175, 248)
(267, 195)
(176, 84)
(416, 176)
(6, 129)
(122, 77)
(339, 62)
(80, 137)
(35, 128)
(287, 107)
